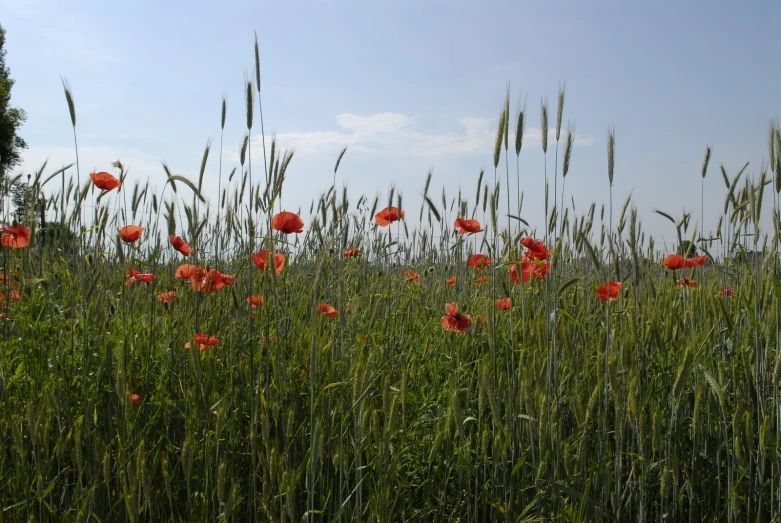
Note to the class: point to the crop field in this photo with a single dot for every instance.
(169, 355)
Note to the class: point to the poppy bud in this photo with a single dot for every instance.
(111, 309)
(263, 352)
(89, 259)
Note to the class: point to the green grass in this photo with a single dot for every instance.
(660, 406)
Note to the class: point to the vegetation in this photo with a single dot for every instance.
(11, 118)
(220, 365)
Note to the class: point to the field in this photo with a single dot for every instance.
(140, 384)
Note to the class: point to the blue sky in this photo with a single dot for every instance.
(408, 86)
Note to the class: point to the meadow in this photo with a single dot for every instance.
(166, 357)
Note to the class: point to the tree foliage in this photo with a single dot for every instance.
(687, 249)
(11, 118)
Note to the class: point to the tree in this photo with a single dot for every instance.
(21, 197)
(11, 118)
(687, 249)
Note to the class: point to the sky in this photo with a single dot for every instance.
(407, 86)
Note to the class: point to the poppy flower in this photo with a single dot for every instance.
(453, 321)
(451, 281)
(479, 261)
(166, 296)
(16, 237)
(134, 275)
(609, 291)
(255, 301)
(287, 222)
(535, 250)
(105, 181)
(186, 271)
(526, 269)
(697, 261)
(387, 216)
(724, 291)
(228, 280)
(687, 282)
(674, 262)
(412, 276)
(351, 253)
(481, 280)
(134, 398)
(541, 269)
(206, 340)
(327, 310)
(503, 304)
(209, 281)
(464, 226)
(130, 233)
(180, 245)
(259, 259)
(14, 295)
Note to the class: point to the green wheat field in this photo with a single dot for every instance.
(343, 364)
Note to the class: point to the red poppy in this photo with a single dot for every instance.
(481, 280)
(259, 259)
(526, 268)
(206, 341)
(609, 291)
(287, 222)
(503, 304)
(465, 226)
(674, 262)
(228, 280)
(134, 275)
(687, 282)
(105, 181)
(412, 276)
(14, 295)
(16, 237)
(166, 296)
(130, 233)
(455, 322)
(387, 216)
(451, 281)
(535, 250)
(210, 281)
(180, 245)
(697, 261)
(186, 271)
(724, 291)
(350, 252)
(134, 398)
(255, 301)
(541, 269)
(327, 310)
(479, 261)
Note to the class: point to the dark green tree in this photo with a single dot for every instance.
(21, 198)
(687, 249)
(11, 119)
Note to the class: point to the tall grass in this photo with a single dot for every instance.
(662, 405)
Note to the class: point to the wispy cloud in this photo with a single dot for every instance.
(395, 133)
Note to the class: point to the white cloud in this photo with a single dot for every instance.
(395, 133)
